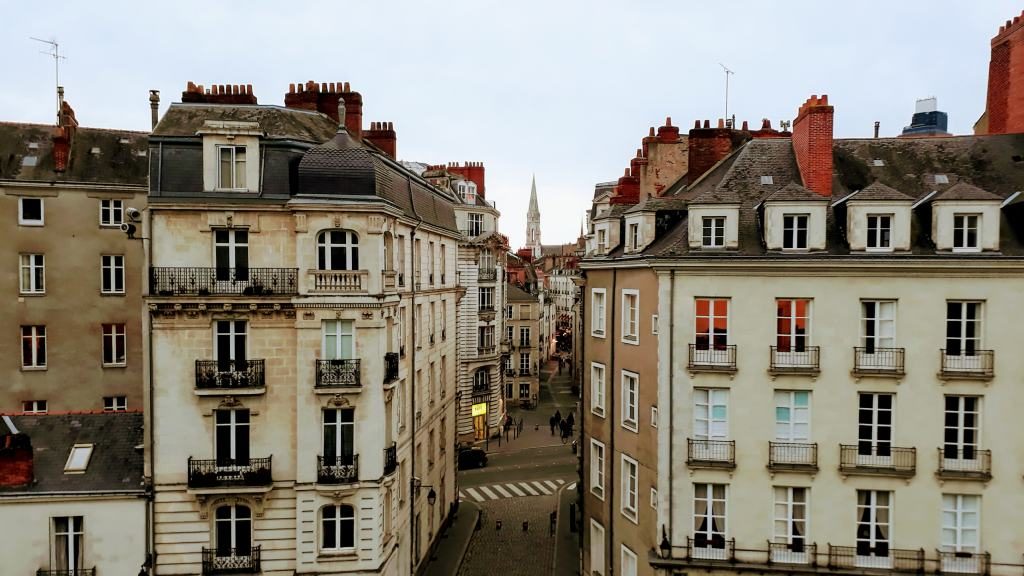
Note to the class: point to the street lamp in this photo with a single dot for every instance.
(431, 496)
(665, 546)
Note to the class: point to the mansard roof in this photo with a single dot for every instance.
(97, 155)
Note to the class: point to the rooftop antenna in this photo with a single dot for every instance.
(57, 57)
(727, 74)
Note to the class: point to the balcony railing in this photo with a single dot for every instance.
(486, 308)
(223, 281)
(965, 463)
(963, 562)
(792, 456)
(487, 274)
(338, 281)
(486, 350)
(231, 561)
(790, 361)
(968, 364)
(796, 552)
(715, 548)
(877, 557)
(225, 473)
(877, 460)
(72, 572)
(337, 373)
(390, 367)
(525, 372)
(390, 459)
(878, 361)
(481, 388)
(714, 359)
(711, 453)
(338, 470)
(228, 375)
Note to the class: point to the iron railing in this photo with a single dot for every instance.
(710, 453)
(796, 552)
(390, 367)
(965, 463)
(231, 561)
(337, 373)
(969, 364)
(963, 562)
(715, 359)
(71, 572)
(716, 548)
(877, 459)
(390, 459)
(510, 372)
(792, 456)
(868, 360)
(525, 372)
(878, 557)
(487, 274)
(197, 281)
(215, 374)
(805, 360)
(221, 473)
(337, 470)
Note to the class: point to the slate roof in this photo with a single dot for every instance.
(965, 191)
(278, 122)
(122, 157)
(115, 466)
(794, 192)
(516, 294)
(876, 191)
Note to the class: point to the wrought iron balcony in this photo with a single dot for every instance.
(710, 453)
(229, 375)
(965, 464)
(337, 470)
(963, 562)
(525, 372)
(877, 460)
(231, 561)
(792, 456)
(337, 373)
(878, 361)
(338, 281)
(510, 372)
(716, 548)
(72, 572)
(712, 359)
(797, 552)
(487, 274)
(979, 364)
(197, 281)
(481, 388)
(227, 472)
(786, 360)
(877, 557)
(390, 367)
(390, 459)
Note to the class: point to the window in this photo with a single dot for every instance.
(233, 531)
(115, 403)
(113, 345)
(78, 458)
(596, 548)
(878, 323)
(231, 437)
(524, 389)
(34, 407)
(508, 390)
(630, 395)
(791, 519)
(597, 312)
(431, 262)
(634, 236)
(793, 416)
(960, 525)
(597, 468)
(597, 389)
(524, 311)
(965, 232)
(629, 487)
(337, 250)
(486, 298)
(602, 241)
(630, 316)
(628, 562)
(33, 274)
(710, 414)
(30, 211)
(339, 436)
(713, 229)
(430, 323)
(476, 224)
(508, 312)
(230, 345)
(68, 548)
(960, 431)
(879, 232)
(654, 416)
(873, 522)
(112, 268)
(111, 213)
(524, 336)
(654, 498)
(524, 363)
(711, 338)
(231, 172)
(709, 521)
(33, 346)
(963, 328)
(231, 254)
(794, 231)
(485, 337)
(874, 428)
(767, 180)
(793, 324)
(509, 330)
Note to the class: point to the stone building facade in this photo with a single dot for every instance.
(523, 340)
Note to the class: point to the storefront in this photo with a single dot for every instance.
(479, 413)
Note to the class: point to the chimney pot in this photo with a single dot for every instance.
(707, 124)
(668, 121)
(745, 126)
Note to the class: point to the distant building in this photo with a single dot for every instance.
(928, 120)
(533, 222)
(522, 332)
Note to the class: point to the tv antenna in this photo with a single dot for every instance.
(727, 74)
(57, 57)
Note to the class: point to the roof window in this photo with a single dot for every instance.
(78, 460)
(878, 162)
(941, 179)
(765, 180)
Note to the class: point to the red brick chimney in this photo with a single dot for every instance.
(382, 135)
(16, 467)
(628, 189)
(812, 144)
(472, 171)
(323, 97)
(1005, 103)
(707, 146)
(219, 94)
(63, 134)
(766, 130)
(662, 158)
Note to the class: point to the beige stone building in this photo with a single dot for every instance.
(74, 278)
(302, 399)
(522, 333)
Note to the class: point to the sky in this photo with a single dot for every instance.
(560, 89)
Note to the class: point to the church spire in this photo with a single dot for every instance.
(533, 221)
(534, 210)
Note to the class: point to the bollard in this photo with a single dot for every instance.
(526, 526)
(497, 525)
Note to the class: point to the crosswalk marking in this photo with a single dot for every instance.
(490, 494)
(541, 487)
(528, 488)
(500, 490)
(524, 488)
(474, 494)
(551, 484)
(513, 488)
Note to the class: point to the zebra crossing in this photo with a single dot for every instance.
(511, 490)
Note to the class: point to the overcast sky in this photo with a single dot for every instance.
(561, 88)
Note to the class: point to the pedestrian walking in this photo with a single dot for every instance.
(551, 423)
(571, 421)
(558, 416)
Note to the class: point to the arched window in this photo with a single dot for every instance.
(337, 527)
(233, 531)
(481, 380)
(337, 250)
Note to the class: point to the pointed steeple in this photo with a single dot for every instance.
(534, 210)
(533, 221)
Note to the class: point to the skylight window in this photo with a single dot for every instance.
(29, 160)
(765, 180)
(941, 179)
(78, 460)
(878, 162)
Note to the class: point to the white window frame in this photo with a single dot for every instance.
(115, 403)
(785, 501)
(629, 499)
(112, 270)
(22, 221)
(74, 535)
(339, 521)
(789, 430)
(792, 224)
(634, 236)
(628, 558)
(883, 324)
(955, 537)
(708, 498)
(875, 426)
(968, 438)
(963, 223)
(597, 388)
(877, 233)
(325, 246)
(34, 407)
(711, 353)
(712, 232)
(964, 320)
(597, 460)
(631, 316)
(597, 542)
(706, 425)
(111, 213)
(233, 149)
(114, 338)
(78, 458)
(37, 335)
(32, 264)
(475, 223)
(630, 383)
(873, 496)
(654, 498)
(597, 312)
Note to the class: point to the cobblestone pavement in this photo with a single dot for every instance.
(510, 551)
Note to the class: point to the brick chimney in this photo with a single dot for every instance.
(766, 130)
(662, 159)
(382, 135)
(627, 191)
(1005, 103)
(16, 465)
(707, 146)
(63, 134)
(323, 97)
(472, 171)
(812, 144)
(219, 94)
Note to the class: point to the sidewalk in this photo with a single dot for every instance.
(451, 549)
(536, 430)
(567, 543)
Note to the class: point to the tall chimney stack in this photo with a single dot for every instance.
(812, 144)
(1004, 104)
(154, 107)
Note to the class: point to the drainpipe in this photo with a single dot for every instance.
(412, 393)
(611, 428)
(671, 400)
(150, 482)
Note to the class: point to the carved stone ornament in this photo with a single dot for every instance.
(388, 393)
(308, 316)
(209, 502)
(338, 401)
(229, 402)
(367, 315)
(336, 221)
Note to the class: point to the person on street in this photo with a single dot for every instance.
(558, 416)
(551, 423)
(571, 421)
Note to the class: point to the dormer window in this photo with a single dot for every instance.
(965, 232)
(469, 193)
(794, 231)
(879, 232)
(713, 232)
(602, 241)
(634, 236)
(231, 171)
